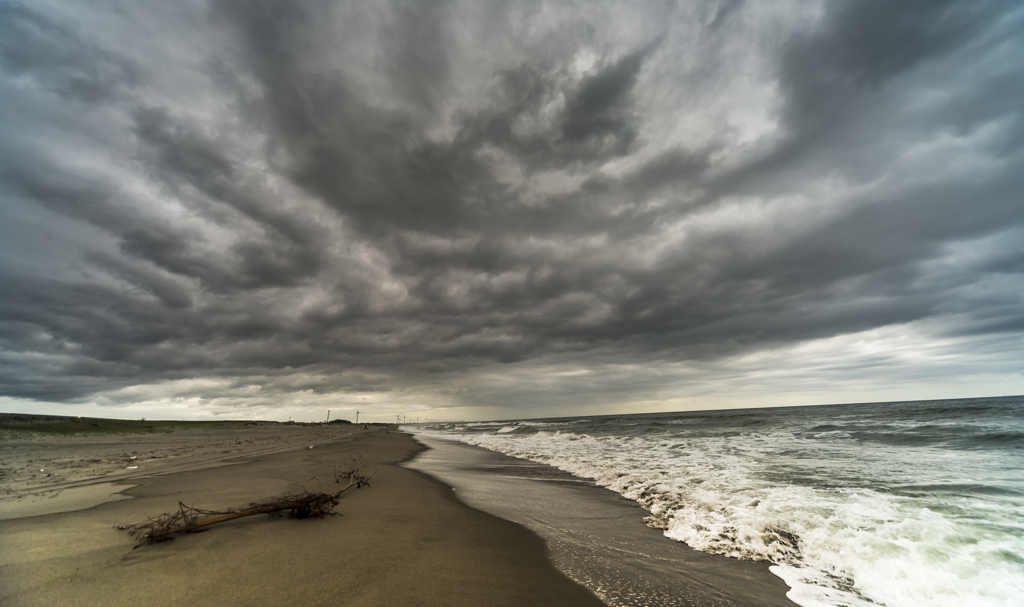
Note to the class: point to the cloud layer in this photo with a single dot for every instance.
(530, 207)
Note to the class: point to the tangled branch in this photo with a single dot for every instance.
(301, 505)
(355, 471)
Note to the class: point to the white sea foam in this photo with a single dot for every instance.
(847, 546)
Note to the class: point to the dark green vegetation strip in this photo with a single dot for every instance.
(64, 426)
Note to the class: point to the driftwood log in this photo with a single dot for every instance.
(300, 505)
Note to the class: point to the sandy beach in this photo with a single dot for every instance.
(405, 540)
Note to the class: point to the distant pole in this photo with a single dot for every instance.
(328, 416)
(357, 417)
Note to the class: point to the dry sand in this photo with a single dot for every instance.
(403, 541)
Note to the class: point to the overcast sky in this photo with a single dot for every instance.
(483, 209)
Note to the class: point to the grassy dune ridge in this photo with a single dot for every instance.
(20, 424)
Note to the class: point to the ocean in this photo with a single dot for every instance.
(899, 504)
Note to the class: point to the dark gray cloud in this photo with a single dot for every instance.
(512, 205)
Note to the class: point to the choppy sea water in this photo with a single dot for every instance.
(897, 504)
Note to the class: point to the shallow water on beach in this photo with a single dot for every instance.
(898, 504)
(596, 537)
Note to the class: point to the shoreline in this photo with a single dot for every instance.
(405, 540)
(596, 536)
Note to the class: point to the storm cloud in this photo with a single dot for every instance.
(487, 209)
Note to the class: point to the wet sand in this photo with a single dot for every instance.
(405, 540)
(597, 537)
